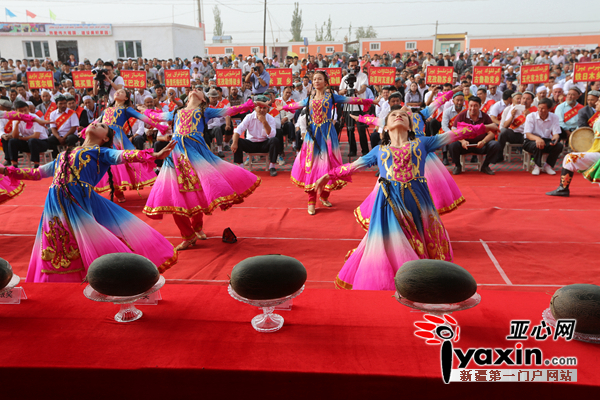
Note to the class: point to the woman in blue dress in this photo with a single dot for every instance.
(405, 224)
(78, 225)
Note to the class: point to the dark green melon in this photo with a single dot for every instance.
(6, 273)
(434, 282)
(268, 277)
(580, 302)
(122, 274)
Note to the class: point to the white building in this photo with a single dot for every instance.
(108, 42)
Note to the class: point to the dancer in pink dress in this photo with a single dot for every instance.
(193, 181)
(321, 149)
(405, 224)
(78, 225)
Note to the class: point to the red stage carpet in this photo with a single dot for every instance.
(198, 343)
(508, 233)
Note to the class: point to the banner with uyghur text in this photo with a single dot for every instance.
(229, 77)
(586, 72)
(40, 80)
(487, 76)
(334, 75)
(280, 76)
(439, 75)
(83, 79)
(177, 78)
(535, 73)
(382, 75)
(134, 79)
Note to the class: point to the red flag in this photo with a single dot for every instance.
(30, 14)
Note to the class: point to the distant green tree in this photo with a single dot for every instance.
(218, 31)
(297, 24)
(367, 33)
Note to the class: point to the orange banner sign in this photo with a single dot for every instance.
(487, 76)
(586, 72)
(134, 79)
(177, 78)
(40, 80)
(535, 74)
(280, 76)
(334, 75)
(439, 75)
(83, 79)
(382, 75)
(229, 77)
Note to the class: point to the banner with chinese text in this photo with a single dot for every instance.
(83, 79)
(40, 80)
(229, 77)
(382, 75)
(334, 75)
(535, 74)
(134, 79)
(586, 72)
(439, 75)
(177, 78)
(280, 76)
(79, 30)
(487, 76)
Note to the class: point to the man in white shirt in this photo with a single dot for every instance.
(219, 128)
(32, 140)
(493, 93)
(287, 118)
(499, 107)
(140, 95)
(296, 67)
(111, 84)
(360, 88)
(558, 58)
(260, 135)
(512, 124)
(64, 125)
(542, 134)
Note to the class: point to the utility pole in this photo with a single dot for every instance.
(199, 14)
(265, 32)
(435, 40)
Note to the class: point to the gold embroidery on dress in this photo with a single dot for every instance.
(59, 251)
(112, 114)
(185, 126)
(74, 166)
(438, 246)
(186, 175)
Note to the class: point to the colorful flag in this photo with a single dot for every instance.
(30, 14)
(52, 15)
(10, 13)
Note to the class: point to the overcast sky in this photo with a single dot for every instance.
(392, 19)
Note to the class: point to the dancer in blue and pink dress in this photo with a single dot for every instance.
(321, 149)
(444, 191)
(78, 225)
(405, 224)
(193, 181)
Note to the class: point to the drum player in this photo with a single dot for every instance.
(587, 162)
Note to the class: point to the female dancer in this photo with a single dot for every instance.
(11, 187)
(404, 223)
(121, 117)
(321, 150)
(444, 191)
(194, 181)
(77, 224)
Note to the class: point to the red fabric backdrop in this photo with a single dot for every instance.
(199, 342)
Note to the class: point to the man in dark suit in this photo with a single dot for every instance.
(446, 61)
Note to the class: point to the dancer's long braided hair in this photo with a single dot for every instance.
(385, 139)
(67, 168)
(307, 108)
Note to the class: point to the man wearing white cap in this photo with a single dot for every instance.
(558, 95)
(588, 115)
(540, 93)
(567, 113)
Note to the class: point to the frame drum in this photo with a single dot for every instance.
(582, 139)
